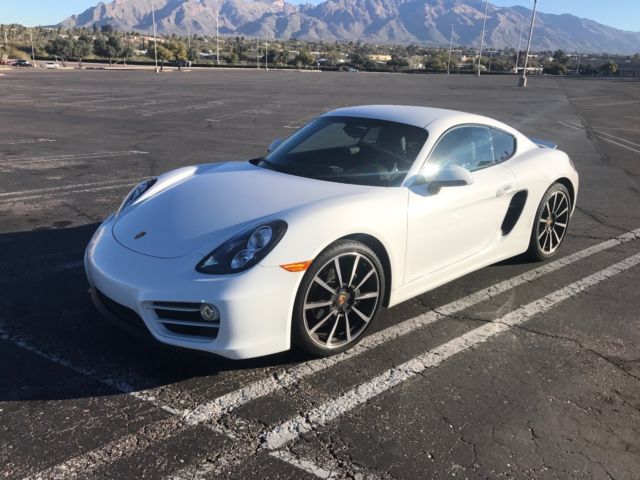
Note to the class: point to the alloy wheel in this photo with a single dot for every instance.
(341, 300)
(553, 221)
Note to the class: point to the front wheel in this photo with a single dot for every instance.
(338, 299)
(551, 223)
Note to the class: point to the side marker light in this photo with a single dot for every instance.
(297, 266)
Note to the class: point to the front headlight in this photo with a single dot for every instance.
(137, 192)
(244, 250)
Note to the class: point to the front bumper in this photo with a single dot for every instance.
(255, 306)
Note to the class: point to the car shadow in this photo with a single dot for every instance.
(49, 328)
(55, 345)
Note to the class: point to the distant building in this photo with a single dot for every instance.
(530, 70)
(380, 58)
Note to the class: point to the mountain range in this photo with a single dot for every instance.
(377, 21)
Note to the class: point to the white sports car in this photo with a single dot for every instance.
(361, 208)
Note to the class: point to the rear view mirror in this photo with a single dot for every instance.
(275, 144)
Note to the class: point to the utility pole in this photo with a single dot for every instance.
(33, 55)
(484, 23)
(578, 67)
(266, 51)
(450, 47)
(258, 53)
(6, 42)
(217, 34)
(155, 39)
(519, 44)
(523, 80)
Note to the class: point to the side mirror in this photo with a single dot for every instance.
(449, 176)
(275, 144)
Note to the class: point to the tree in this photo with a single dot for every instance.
(108, 29)
(178, 52)
(560, 57)
(193, 54)
(60, 47)
(437, 63)
(111, 47)
(554, 68)
(81, 48)
(304, 58)
(609, 69)
(358, 59)
(164, 54)
(397, 62)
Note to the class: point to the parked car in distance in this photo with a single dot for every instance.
(362, 207)
(22, 63)
(50, 65)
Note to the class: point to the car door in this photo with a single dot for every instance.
(454, 223)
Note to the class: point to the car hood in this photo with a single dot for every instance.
(199, 208)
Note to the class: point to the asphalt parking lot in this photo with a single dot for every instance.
(520, 370)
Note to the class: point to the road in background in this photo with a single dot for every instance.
(554, 396)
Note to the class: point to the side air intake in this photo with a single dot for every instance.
(514, 211)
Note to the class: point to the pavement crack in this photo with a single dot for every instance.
(596, 216)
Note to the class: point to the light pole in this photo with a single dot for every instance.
(450, 47)
(519, 44)
(155, 39)
(484, 23)
(523, 80)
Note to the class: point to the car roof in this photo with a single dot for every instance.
(411, 115)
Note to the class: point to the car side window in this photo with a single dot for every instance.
(504, 145)
(470, 147)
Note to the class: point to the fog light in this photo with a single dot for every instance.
(208, 312)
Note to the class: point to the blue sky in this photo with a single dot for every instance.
(625, 14)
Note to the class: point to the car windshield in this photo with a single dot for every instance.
(354, 150)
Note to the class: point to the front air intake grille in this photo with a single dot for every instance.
(184, 318)
(124, 315)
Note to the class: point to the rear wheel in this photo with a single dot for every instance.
(551, 223)
(339, 298)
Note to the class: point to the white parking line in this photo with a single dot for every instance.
(291, 429)
(305, 465)
(617, 138)
(84, 465)
(309, 466)
(21, 193)
(19, 196)
(566, 124)
(576, 126)
(75, 156)
(119, 384)
(210, 412)
(618, 144)
(25, 141)
(214, 409)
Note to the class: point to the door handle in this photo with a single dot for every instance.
(504, 189)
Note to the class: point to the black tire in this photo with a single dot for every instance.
(551, 223)
(349, 295)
